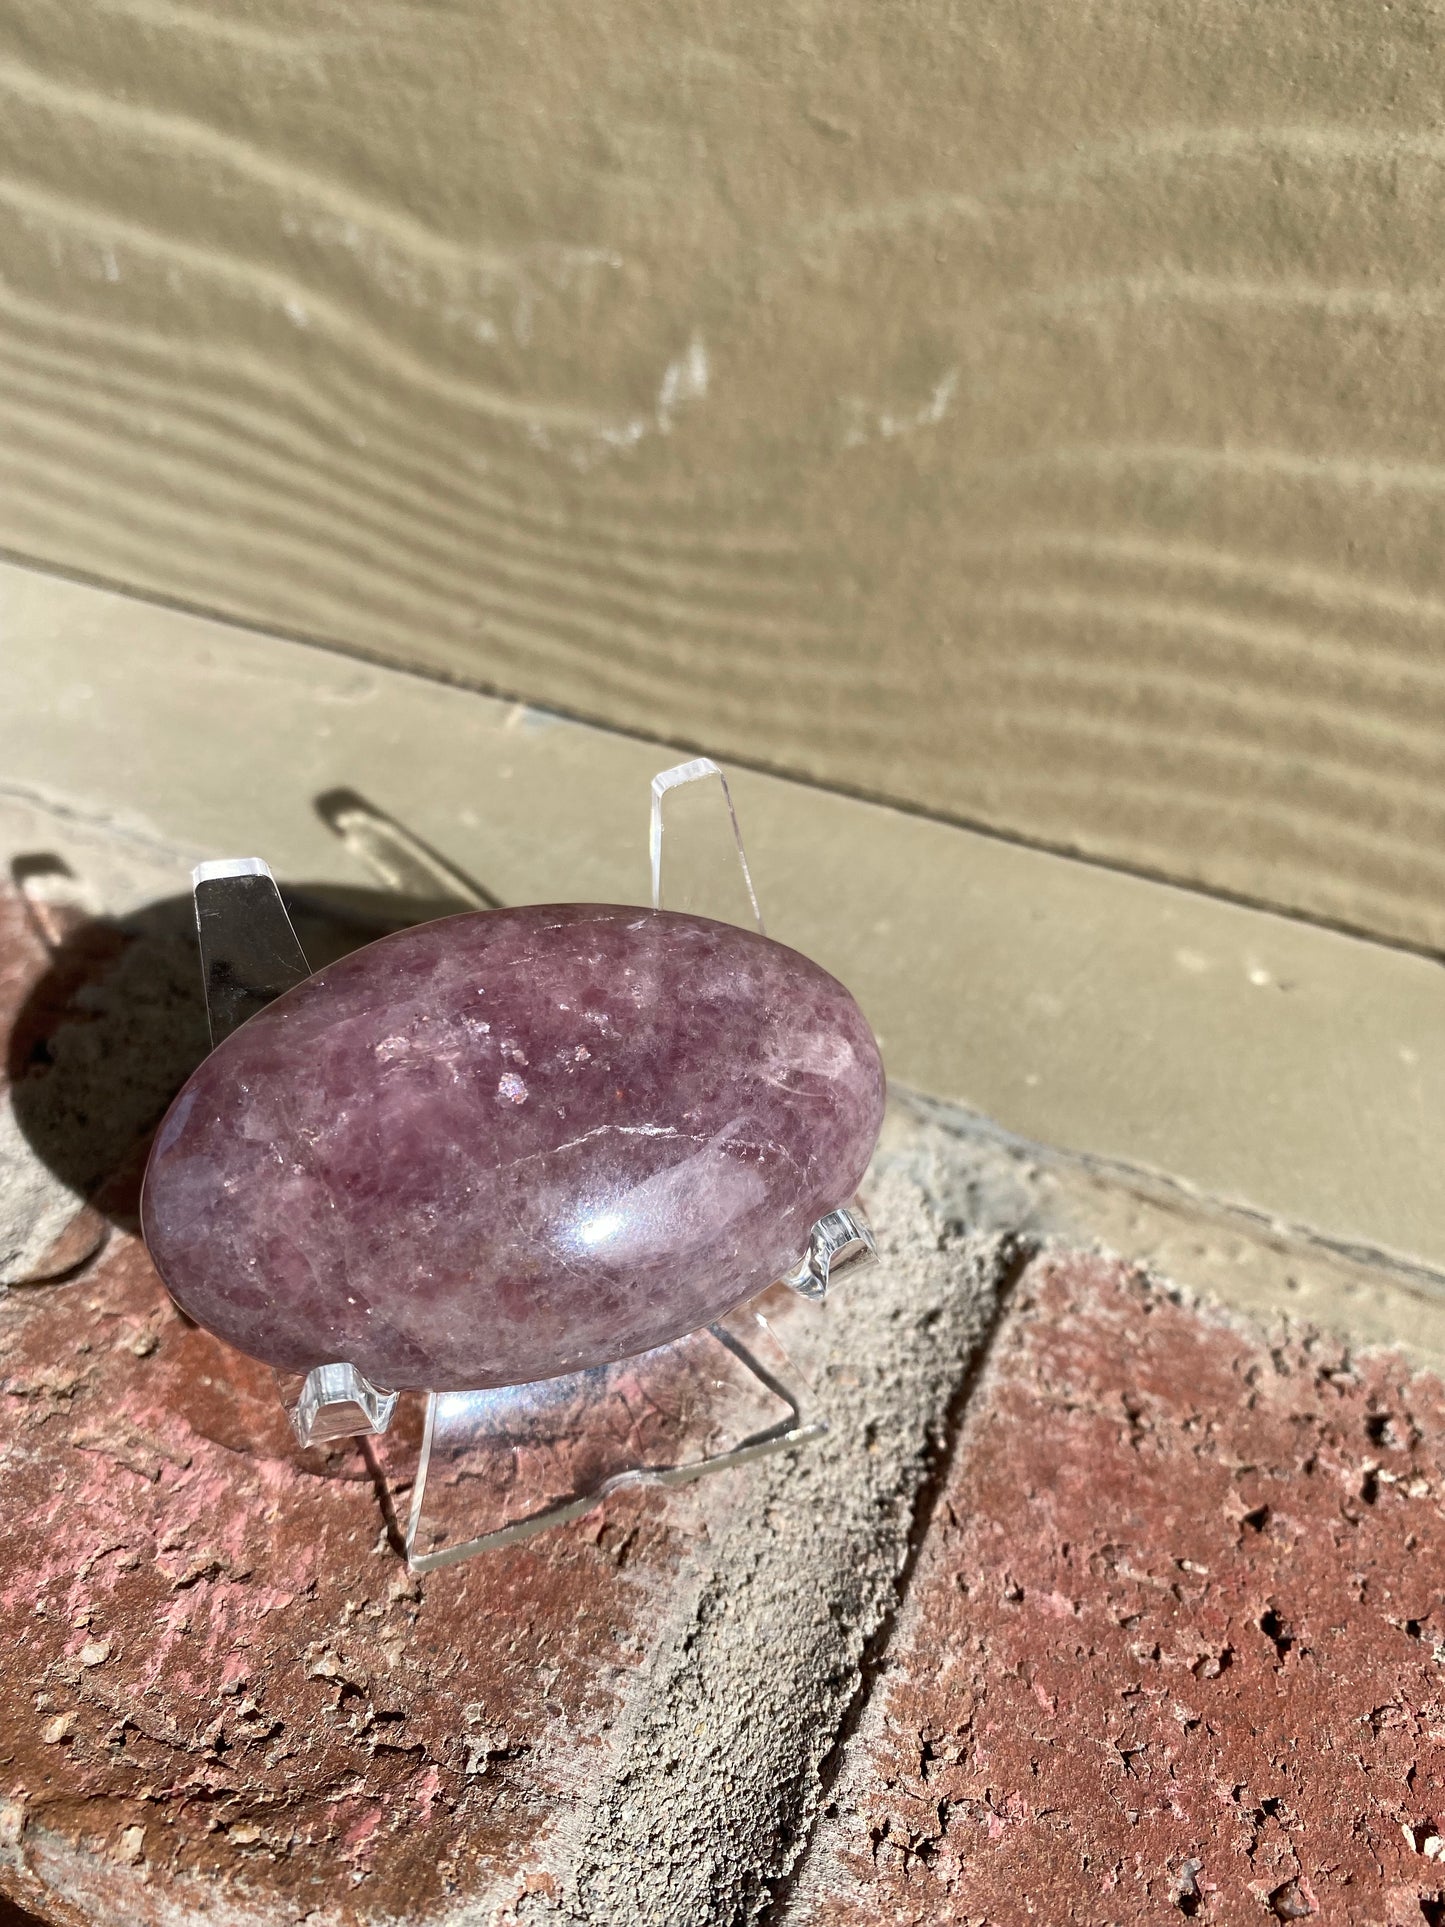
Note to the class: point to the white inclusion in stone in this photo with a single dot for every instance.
(511, 1087)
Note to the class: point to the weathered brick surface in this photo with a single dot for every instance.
(1175, 1644)
(216, 1669)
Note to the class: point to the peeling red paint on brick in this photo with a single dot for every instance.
(1175, 1644)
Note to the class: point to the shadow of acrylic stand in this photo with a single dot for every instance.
(494, 1466)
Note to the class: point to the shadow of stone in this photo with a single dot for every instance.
(396, 855)
(108, 1035)
(12, 1914)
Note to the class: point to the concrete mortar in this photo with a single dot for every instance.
(721, 1763)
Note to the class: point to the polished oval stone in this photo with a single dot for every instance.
(513, 1144)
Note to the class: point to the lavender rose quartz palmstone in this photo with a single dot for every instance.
(511, 1145)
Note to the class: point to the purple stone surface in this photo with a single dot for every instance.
(513, 1144)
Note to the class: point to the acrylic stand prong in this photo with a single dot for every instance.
(249, 952)
(706, 869)
(840, 1241)
(497, 1465)
(336, 1402)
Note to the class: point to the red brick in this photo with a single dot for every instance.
(1175, 1643)
(214, 1668)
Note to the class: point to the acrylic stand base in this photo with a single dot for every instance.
(492, 1467)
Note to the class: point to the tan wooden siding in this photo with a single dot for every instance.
(1030, 412)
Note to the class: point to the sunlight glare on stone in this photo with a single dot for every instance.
(596, 1231)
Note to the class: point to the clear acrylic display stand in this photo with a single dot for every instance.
(494, 1466)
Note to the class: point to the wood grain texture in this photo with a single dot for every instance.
(1028, 412)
